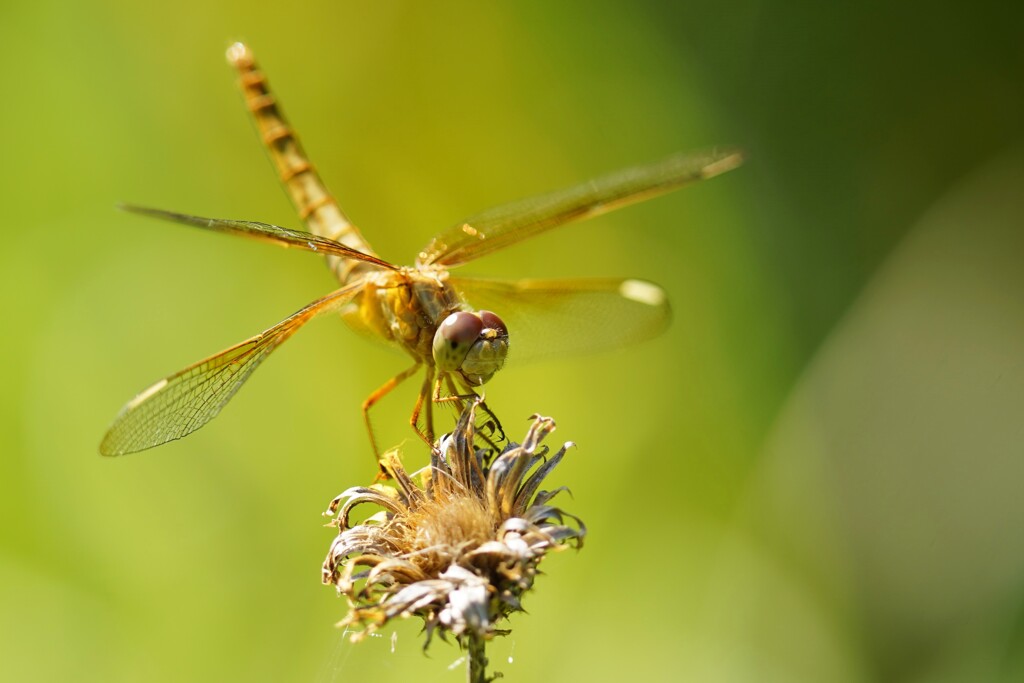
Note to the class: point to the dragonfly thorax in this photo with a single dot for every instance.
(474, 344)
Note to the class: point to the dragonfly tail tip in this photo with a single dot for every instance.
(239, 55)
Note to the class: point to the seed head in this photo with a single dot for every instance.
(457, 543)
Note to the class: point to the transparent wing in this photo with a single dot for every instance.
(185, 401)
(265, 232)
(507, 224)
(552, 318)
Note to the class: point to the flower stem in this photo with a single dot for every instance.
(477, 670)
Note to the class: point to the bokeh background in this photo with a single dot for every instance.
(814, 475)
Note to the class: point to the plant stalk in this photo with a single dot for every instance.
(477, 657)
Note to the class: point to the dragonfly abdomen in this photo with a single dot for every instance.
(314, 202)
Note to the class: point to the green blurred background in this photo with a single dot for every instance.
(815, 475)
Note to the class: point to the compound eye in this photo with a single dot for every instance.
(461, 328)
(492, 321)
(454, 338)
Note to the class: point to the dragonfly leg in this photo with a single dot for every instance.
(459, 400)
(377, 395)
(427, 434)
(493, 424)
(498, 432)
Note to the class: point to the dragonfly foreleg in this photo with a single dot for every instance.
(490, 430)
(377, 395)
(427, 434)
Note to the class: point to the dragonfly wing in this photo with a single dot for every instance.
(552, 318)
(510, 223)
(185, 401)
(285, 237)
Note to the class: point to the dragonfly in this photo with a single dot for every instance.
(454, 328)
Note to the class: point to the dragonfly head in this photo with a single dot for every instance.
(474, 344)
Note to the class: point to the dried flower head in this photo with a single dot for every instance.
(458, 548)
